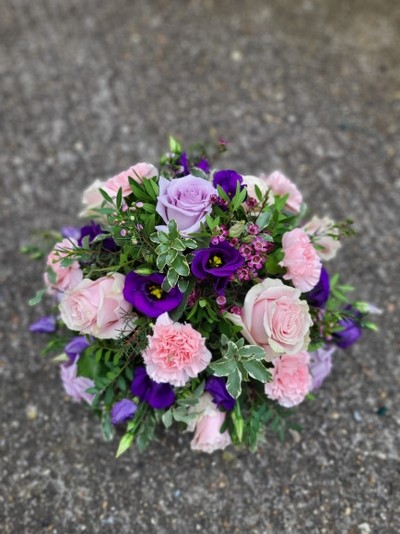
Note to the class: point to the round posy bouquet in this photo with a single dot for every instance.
(199, 297)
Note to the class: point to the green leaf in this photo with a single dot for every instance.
(234, 383)
(257, 370)
(150, 208)
(190, 243)
(106, 196)
(161, 261)
(251, 352)
(223, 367)
(181, 266)
(118, 200)
(259, 193)
(183, 284)
(238, 199)
(37, 298)
(124, 444)
(106, 426)
(167, 418)
(263, 219)
(171, 255)
(172, 277)
(178, 244)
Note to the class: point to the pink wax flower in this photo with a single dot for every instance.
(303, 266)
(97, 307)
(207, 437)
(65, 277)
(176, 352)
(280, 185)
(291, 379)
(76, 386)
(137, 172)
(274, 317)
(324, 235)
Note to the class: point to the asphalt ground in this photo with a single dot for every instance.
(312, 88)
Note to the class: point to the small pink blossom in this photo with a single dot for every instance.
(65, 277)
(97, 307)
(207, 437)
(303, 266)
(280, 185)
(176, 352)
(76, 386)
(291, 379)
(137, 172)
(92, 199)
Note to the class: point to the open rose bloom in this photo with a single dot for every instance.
(196, 296)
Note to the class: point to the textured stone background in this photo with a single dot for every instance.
(312, 88)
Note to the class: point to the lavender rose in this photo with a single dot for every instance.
(186, 200)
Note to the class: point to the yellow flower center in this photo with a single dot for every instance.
(156, 291)
(215, 261)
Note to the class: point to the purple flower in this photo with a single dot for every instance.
(75, 347)
(185, 200)
(219, 261)
(123, 411)
(70, 231)
(320, 365)
(351, 329)
(158, 396)
(92, 231)
(228, 180)
(45, 325)
(147, 296)
(76, 386)
(216, 386)
(319, 295)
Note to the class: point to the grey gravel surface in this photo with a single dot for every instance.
(313, 88)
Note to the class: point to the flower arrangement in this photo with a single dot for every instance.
(196, 297)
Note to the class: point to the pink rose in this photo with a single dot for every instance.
(324, 236)
(138, 173)
(76, 386)
(291, 379)
(187, 200)
(280, 185)
(274, 317)
(176, 352)
(207, 437)
(303, 266)
(97, 307)
(65, 277)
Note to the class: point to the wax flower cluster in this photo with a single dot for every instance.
(198, 297)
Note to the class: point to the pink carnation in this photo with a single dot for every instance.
(291, 379)
(280, 185)
(176, 352)
(303, 266)
(137, 172)
(65, 277)
(97, 307)
(76, 386)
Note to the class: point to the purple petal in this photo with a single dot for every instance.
(70, 231)
(45, 325)
(123, 411)
(76, 346)
(216, 386)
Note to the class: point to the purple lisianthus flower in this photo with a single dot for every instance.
(216, 386)
(76, 386)
(219, 261)
(319, 295)
(320, 365)
(146, 295)
(158, 396)
(75, 347)
(93, 230)
(123, 411)
(228, 180)
(351, 329)
(185, 200)
(45, 325)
